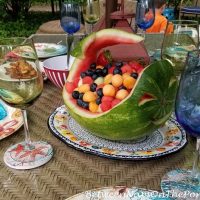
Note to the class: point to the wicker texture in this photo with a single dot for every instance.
(71, 171)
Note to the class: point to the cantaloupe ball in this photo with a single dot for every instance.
(129, 82)
(89, 96)
(117, 80)
(121, 94)
(108, 79)
(93, 107)
(109, 90)
(84, 88)
(125, 75)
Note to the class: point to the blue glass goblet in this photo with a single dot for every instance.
(185, 183)
(70, 22)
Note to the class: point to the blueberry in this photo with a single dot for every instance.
(98, 100)
(93, 87)
(104, 71)
(117, 71)
(93, 66)
(75, 94)
(100, 92)
(122, 87)
(95, 76)
(89, 72)
(81, 96)
(80, 102)
(85, 105)
(108, 66)
(118, 64)
(134, 75)
(83, 74)
(98, 72)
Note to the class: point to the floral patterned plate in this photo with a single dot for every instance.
(167, 139)
(120, 193)
(180, 184)
(10, 120)
(46, 50)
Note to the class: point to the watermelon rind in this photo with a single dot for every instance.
(135, 116)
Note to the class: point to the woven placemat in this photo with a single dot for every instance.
(71, 171)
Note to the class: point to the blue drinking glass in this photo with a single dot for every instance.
(70, 21)
(187, 110)
(145, 14)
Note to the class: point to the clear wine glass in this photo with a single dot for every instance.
(187, 110)
(182, 38)
(91, 12)
(145, 14)
(70, 21)
(21, 83)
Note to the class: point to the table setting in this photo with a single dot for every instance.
(107, 120)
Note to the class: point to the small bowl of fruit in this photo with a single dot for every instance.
(57, 70)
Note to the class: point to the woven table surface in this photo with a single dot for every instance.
(71, 171)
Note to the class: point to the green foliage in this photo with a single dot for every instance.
(16, 8)
(26, 25)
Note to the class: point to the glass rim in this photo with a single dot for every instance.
(12, 41)
(180, 21)
(12, 38)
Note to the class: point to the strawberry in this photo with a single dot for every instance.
(104, 58)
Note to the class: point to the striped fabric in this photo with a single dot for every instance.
(191, 10)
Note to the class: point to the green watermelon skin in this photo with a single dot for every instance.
(137, 115)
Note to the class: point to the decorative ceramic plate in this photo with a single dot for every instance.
(168, 139)
(120, 193)
(180, 184)
(10, 120)
(45, 50)
(22, 51)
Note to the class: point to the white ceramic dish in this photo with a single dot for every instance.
(46, 50)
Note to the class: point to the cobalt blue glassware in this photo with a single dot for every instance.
(70, 21)
(187, 109)
(187, 106)
(145, 13)
(70, 17)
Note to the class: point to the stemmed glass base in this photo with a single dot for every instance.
(28, 156)
(181, 184)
